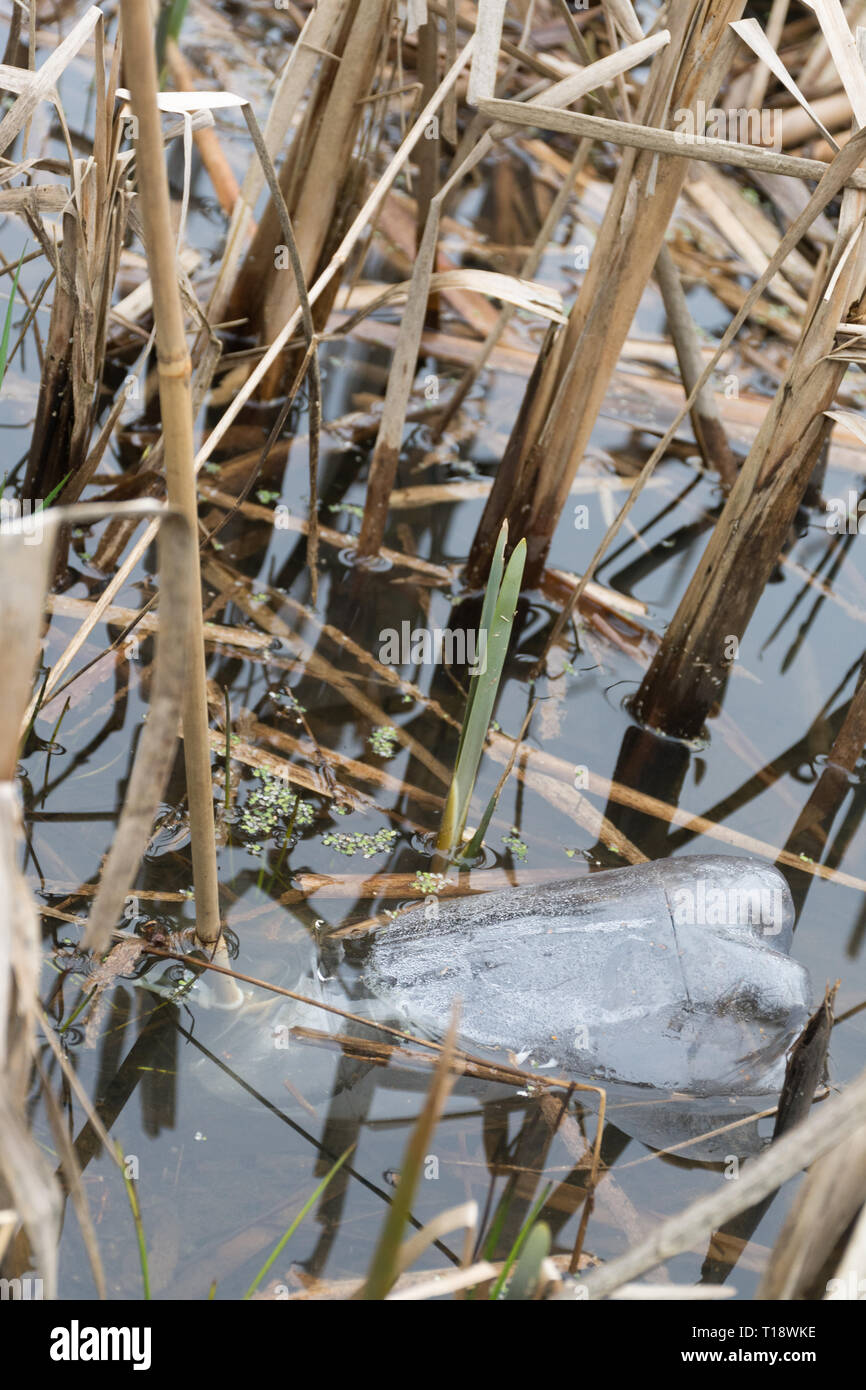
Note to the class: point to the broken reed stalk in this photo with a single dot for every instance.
(289, 92)
(690, 669)
(831, 1127)
(383, 469)
(177, 424)
(527, 272)
(549, 440)
(837, 176)
(809, 837)
(828, 1201)
(386, 454)
(706, 421)
(324, 146)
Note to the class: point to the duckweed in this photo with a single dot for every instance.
(356, 842)
(383, 741)
(270, 805)
(518, 847)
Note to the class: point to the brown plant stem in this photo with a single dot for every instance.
(690, 669)
(573, 382)
(176, 409)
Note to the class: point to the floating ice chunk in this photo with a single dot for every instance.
(673, 974)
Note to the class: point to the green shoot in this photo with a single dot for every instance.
(497, 616)
(136, 1216)
(474, 847)
(169, 25)
(385, 1265)
(522, 1235)
(53, 494)
(311, 1201)
(7, 324)
(527, 1270)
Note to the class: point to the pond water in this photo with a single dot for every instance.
(224, 1162)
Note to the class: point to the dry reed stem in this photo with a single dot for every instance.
(828, 1201)
(176, 408)
(329, 155)
(207, 142)
(545, 450)
(636, 136)
(706, 422)
(363, 219)
(834, 1125)
(527, 271)
(689, 670)
(288, 94)
(383, 467)
(41, 84)
(835, 178)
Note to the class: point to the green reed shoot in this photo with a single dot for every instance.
(522, 1235)
(497, 617)
(136, 1216)
(527, 1269)
(310, 1202)
(7, 323)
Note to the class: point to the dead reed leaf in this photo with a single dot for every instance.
(40, 85)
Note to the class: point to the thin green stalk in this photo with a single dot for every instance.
(80, 1006)
(53, 494)
(311, 1201)
(136, 1216)
(527, 1270)
(496, 1291)
(228, 704)
(172, 13)
(289, 829)
(385, 1263)
(7, 323)
(476, 844)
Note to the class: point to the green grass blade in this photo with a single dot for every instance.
(481, 713)
(7, 323)
(54, 493)
(485, 622)
(311, 1201)
(169, 25)
(136, 1216)
(476, 844)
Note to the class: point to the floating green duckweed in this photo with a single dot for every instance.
(427, 883)
(269, 806)
(383, 741)
(518, 847)
(355, 842)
